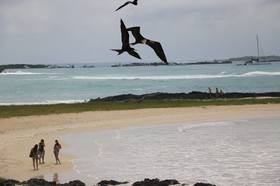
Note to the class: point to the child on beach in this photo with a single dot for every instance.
(41, 151)
(56, 149)
(34, 155)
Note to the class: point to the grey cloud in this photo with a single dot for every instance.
(72, 30)
(271, 2)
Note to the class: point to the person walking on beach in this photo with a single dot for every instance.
(41, 151)
(56, 149)
(34, 155)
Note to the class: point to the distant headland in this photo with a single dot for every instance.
(269, 59)
(27, 66)
(20, 66)
(174, 63)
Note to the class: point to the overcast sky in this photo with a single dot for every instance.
(83, 31)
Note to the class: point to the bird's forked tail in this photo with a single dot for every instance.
(117, 50)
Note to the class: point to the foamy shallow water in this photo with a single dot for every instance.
(222, 153)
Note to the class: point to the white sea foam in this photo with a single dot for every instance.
(48, 78)
(261, 73)
(47, 102)
(22, 73)
(138, 89)
(179, 77)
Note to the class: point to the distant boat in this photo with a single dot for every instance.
(256, 61)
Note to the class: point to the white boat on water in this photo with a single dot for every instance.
(256, 61)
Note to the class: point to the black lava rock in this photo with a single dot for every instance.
(38, 182)
(182, 96)
(170, 182)
(10, 182)
(155, 182)
(203, 184)
(75, 183)
(110, 182)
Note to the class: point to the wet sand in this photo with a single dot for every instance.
(18, 135)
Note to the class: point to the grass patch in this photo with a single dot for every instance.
(31, 110)
(2, 180)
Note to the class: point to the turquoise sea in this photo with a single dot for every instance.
(47, 86)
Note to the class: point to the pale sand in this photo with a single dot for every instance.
(18, 135)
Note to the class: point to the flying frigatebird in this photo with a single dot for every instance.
(155, 45)
(125, 43)
(126, 3)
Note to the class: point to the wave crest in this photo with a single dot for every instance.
(47, 102)
(178, 77)
(23, 73)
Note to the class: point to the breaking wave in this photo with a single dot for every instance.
(261, 73)
(47, 102)
(23, 73)
(178, 77)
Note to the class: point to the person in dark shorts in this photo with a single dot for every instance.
(41, 151)
(56, 149)
(34, 155)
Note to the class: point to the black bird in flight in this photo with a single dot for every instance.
(128, 2)
(156, 46)
(125, 43)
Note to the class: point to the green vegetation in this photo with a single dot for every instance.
(1, 181)
(28, 110)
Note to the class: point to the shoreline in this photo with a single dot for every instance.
(18, 134)
(183, 96)
(137, 102)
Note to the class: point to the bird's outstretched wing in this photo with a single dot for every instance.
(126, 3)
(134, 54)
(136, 33)
(156, 46)
(125, 35)
(158, 50)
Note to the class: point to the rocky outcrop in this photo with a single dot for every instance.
(155, 182)
(146, 182)
(21, 66)
(73, 183)
(170, 182)
(9, 182)
(38, 182)
(203, 184)
(181, 96)
(110, 182)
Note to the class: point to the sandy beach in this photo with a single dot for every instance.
(18, 135)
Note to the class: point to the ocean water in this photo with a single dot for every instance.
(46, 86)
(243, 152)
